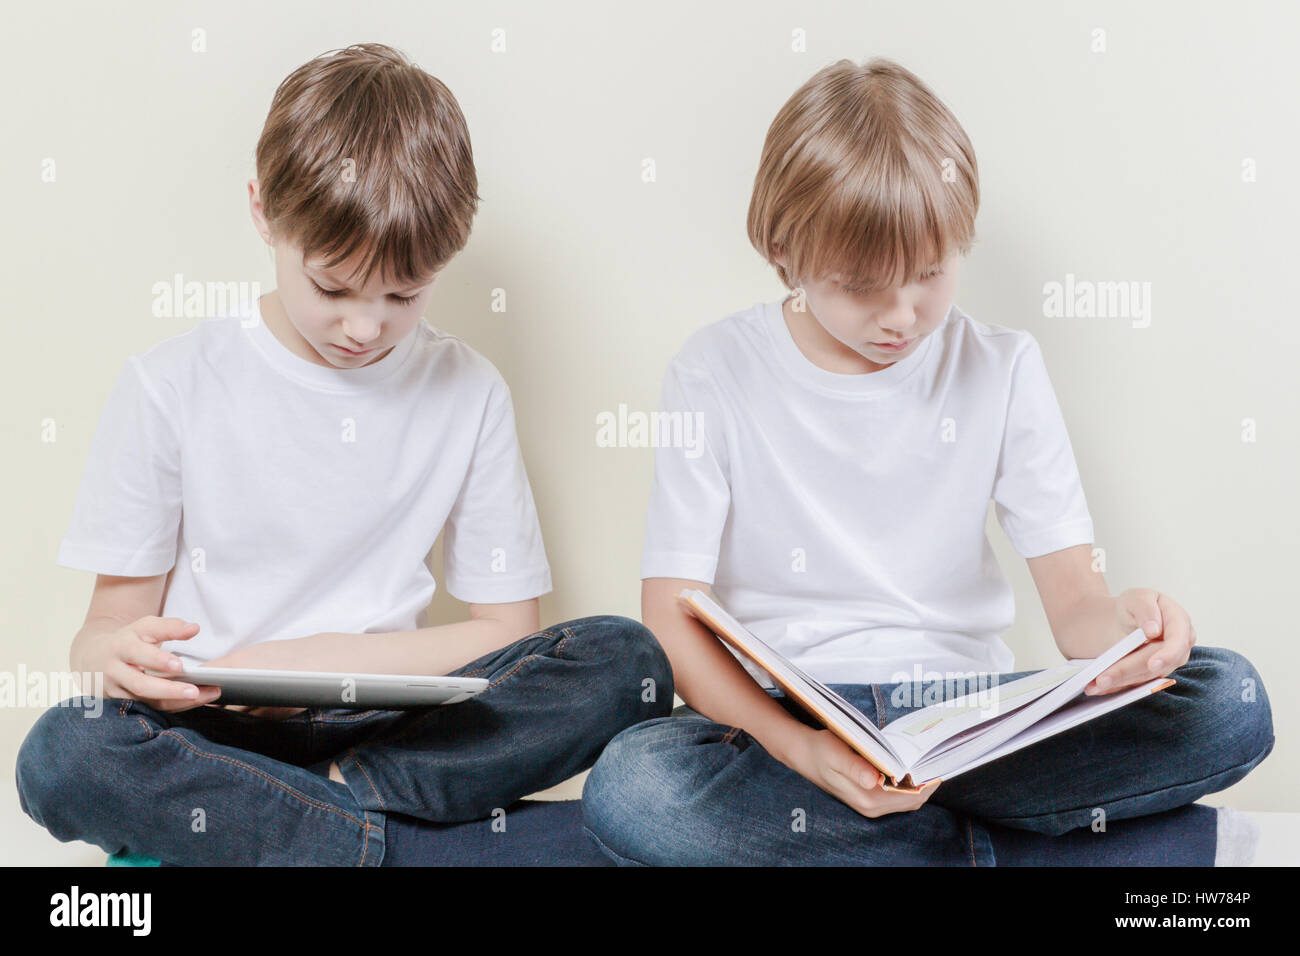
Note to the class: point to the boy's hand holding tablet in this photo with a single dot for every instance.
(123, 654)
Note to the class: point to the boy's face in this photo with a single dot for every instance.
(338, 322)
(355, 325)
(855, 324)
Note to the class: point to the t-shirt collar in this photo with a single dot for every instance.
(853, 384)
(320, 376)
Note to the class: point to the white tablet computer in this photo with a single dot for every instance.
(243, 685)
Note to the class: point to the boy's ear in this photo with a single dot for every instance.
(255, 210)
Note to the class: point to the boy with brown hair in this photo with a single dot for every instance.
(263, 491)
(854, 433)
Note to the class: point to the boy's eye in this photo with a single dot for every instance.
(328, 293)
(339, 293)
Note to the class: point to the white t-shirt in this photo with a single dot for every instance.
(290, 498)
(841, 518)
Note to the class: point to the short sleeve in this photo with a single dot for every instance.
(127, 515)
(492, 546)
(690, 497)
(1038, 496)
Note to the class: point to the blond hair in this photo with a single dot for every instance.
(364, 152)
(866, 173)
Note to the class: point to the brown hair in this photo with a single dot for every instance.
(364, 151)
(866, 173)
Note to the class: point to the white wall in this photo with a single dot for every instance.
(1124, 165)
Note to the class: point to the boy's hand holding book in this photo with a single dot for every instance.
(827, 761)
(1170, 637)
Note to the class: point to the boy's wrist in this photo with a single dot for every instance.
(83, 641)
(782, 736)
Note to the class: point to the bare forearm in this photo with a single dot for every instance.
(714, 684)
(710, 679)
(429, 650)
(1090, 629)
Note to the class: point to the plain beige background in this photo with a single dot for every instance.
(1122, 165)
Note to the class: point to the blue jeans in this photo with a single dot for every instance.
(211, 786)
(685, 790)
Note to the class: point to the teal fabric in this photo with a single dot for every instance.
(131, 859)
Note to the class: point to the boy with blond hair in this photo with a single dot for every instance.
(264, 490)
(854, 433)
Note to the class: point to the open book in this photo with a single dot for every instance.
(948, 737)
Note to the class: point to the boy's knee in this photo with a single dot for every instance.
(630, 657)
(60, 757)
(1233, 707)
(624, 786)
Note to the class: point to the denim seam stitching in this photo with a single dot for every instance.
(518, 664)
(548, 632)
(352, 753)
(880, 707)
(365, 842)
(302, 797)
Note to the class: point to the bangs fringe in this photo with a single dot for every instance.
(401, 240)
(876, 230)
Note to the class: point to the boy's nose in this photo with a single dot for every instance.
(361, 332)
(897, 324)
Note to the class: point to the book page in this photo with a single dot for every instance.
(1078, 711)
(922, 732)
(849, 711)
(957, 758)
